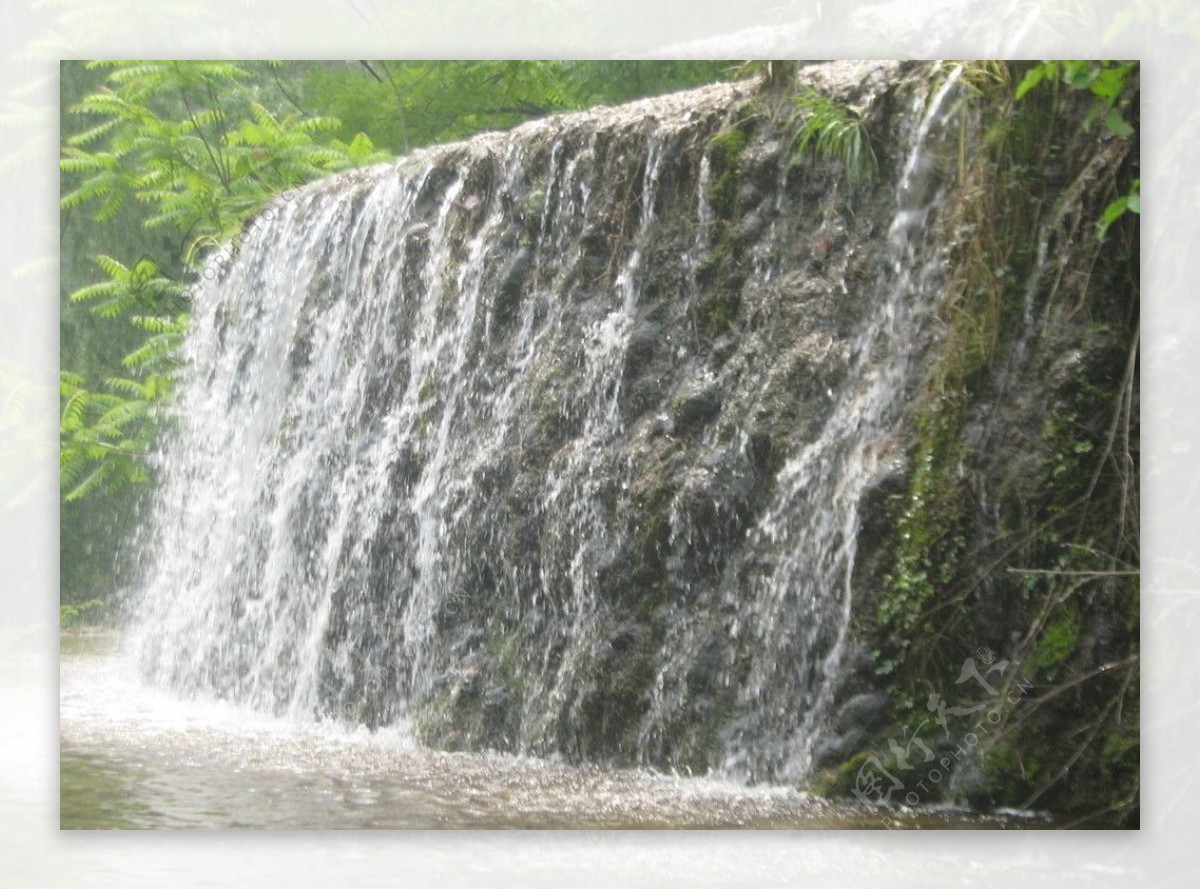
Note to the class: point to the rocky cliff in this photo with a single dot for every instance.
(668, 435)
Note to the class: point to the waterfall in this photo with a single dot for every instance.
(533, 444)
(802, 605)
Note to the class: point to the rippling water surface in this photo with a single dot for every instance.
(132, 757)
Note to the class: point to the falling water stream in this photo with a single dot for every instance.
(462, 459)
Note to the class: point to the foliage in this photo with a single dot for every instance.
(829, 129)
(1046, 573)
(202, 146)
(191, 140)
(1130, 202)
(1110, 84)
(106, 435)
(141, 287)
(164, 160)
(75, 614)
(1107, 82)
(193, 143)
(407, 104)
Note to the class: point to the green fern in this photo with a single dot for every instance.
(105, 437)
(828, 129)
(194, 142)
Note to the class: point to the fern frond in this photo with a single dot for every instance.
(74, 412)
(127, 71)
(157, 324)
(111, 267)
(154, 349)
(120, 415)
(91, 291)
(134, 388)
(68, 382)
(91, 482)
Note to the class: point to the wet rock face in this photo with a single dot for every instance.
(571, 452)
(853, 727)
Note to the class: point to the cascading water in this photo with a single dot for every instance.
(803, 602)
(546, 443)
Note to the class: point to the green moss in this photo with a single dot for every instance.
(839, 781)
(1058, 642)
(718, 311)
(609, 712)
(651, 505)
(929, 545)
(720, 304)
(534, 202)
(720, 272)
(718, 256)
(726, 149)
(728, 145)
(631, 681)
(1008, 776)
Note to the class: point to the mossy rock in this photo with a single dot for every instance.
(840, 781)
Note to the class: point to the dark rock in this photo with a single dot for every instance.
(511, 289)
(697, 404)
(702, 674)
(866, 711)
(723, 347)
(834, 748)
(618, 486)
(645, 342)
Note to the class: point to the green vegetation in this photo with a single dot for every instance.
(929, 553)
(406, 104)
(718, 310)
(725, 154)
(76, 614)
(163, 161)
(1108, 83)
(1034, 555)
(827, 129)
(1060, 562)
(192, 144)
